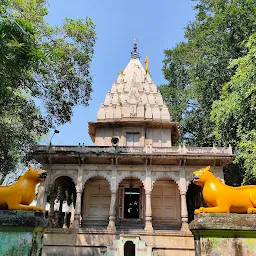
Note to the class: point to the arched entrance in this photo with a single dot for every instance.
(131, 203)
(129, 249)
(96, 202)
(62, 196)
(165, 201)
(131, 195)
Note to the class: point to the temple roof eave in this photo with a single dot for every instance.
(170, 160)
(83, 154)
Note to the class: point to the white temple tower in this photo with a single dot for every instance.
(134, 111)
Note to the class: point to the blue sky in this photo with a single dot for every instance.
(157, 25)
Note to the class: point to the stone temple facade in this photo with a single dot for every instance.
(131, 196)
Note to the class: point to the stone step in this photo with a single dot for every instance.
(94, 223)
(130, 224)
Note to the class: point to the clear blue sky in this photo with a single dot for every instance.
(157, 25)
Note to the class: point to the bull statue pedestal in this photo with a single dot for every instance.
(222, 234)
(21, 232)
(22, 225)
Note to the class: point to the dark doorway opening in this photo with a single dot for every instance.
(194, 200)
(129, 249)
(132, 203)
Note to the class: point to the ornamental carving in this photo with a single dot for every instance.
(171, 175)
(103, 174)
(55, 174)
(128, 174)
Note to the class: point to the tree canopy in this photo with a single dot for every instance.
(197, 69)
(44, 74)
(234, 113)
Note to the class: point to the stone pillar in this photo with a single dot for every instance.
(59, 223)
(72, 216)
(51, 212)
(148, 221)
(79, 191)
(112, 211)
(113, 188)
(42, 196)
(76, 223)
(184, 212)
(148, 190)
(43, 189)
(66, 217)
(183, 201)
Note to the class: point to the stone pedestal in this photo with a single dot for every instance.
(21, 233)
(224, 234)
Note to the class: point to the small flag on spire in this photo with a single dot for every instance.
(146, 62)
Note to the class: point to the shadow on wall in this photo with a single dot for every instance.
(195, 200)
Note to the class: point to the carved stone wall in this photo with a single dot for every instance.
(56, 173)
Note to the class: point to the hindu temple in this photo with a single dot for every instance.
(130, 193)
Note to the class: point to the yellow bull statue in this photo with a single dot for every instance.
(19, 195)
(222, 198)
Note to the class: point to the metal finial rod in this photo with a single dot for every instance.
(134, 46)
(134, 53)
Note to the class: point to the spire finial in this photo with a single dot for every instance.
(134, 45)
(134, 54)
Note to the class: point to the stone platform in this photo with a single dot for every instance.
(224, 234)
(21, 233)
(82, 241)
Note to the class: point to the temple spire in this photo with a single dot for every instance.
(134, 96)
(134, 54)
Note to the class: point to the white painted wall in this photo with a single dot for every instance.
(156, 137)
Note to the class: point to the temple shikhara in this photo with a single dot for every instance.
(130, 193)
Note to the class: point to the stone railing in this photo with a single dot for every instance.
(180, 150)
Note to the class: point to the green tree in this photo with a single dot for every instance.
(197, 69)
(234, 114)
(44, 74)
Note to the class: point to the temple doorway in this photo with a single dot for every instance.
(132, 203)
(131, 200)
(129, 249)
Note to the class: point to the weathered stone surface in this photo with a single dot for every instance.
(223, 221)
(66, 242)
(21, 219)
(21, 233)
(224, 234)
